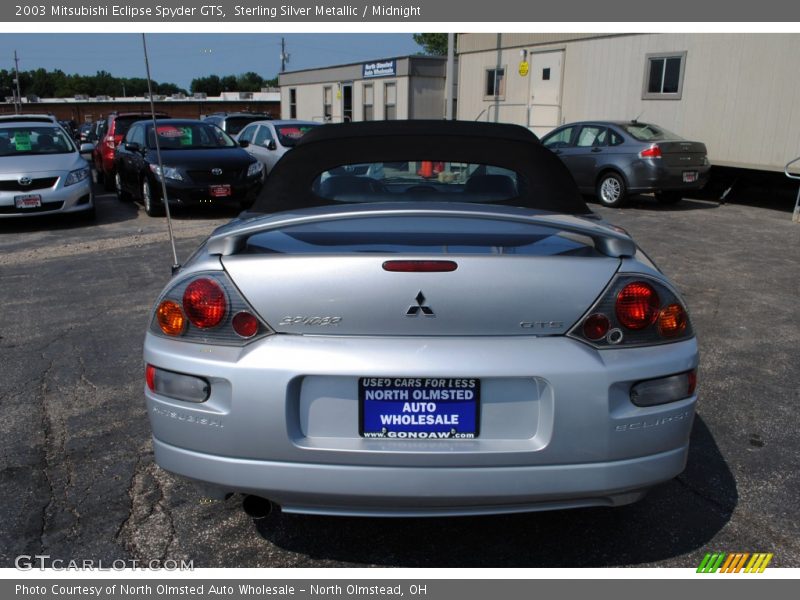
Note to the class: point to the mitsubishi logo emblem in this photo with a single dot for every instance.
(413, 310)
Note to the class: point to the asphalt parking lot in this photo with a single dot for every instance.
(76, 462)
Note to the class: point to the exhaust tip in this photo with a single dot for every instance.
(256, 507)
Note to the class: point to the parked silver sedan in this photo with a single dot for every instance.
(42, 171)
(457, 335)
(268, 141)
(613, 159)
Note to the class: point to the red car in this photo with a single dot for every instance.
(117, 125)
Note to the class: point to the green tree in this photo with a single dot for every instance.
(433, 43)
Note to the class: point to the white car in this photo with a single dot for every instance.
(269, 140)
(41, 170)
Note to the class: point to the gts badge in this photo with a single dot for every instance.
(311, 321)
(542, 324)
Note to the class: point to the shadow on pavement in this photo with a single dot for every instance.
(676, 518)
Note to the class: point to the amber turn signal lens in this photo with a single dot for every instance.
(671, 321)
(171, 318)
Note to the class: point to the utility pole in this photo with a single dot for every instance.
(18, 103)
(284, 56)
(448, 78)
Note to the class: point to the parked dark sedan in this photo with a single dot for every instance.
(201, 165)
(614, 158)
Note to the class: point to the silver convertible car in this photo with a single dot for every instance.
(455, 335)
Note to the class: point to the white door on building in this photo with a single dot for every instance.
(545, 91)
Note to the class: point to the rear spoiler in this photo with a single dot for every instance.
(614, 243)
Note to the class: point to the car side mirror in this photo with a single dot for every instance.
(270, 145)
(132, 147)
(244, 143)
(86, 148)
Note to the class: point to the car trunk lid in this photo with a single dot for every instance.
(497, 277)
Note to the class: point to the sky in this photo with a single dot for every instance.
(179, 58)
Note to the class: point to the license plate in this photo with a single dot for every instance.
(418, 408)
(689, 176)
(28, 201)
(219, 191)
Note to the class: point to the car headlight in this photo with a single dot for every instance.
(255, 169)
(77, 176)
(169, 173)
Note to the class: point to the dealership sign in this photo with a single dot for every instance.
(387, 68)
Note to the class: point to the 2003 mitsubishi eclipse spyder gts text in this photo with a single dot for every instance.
(421, 318)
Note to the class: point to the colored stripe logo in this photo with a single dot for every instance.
(736, 562)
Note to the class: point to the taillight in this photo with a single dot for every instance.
(245, 324)
(177, 386)
(596, 327)
(110, 142)
(205, 303)
(672, 321)
(420, 266)
(170, 318)
(207, 308)
(635, 310)
(637, 305)
(652, 152)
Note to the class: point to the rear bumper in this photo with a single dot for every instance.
(655, 176)
(402, 491)
(557, 427)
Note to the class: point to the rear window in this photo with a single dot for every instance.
(418, 235)
(234, 125)
(123, 124)
(645, 132)
(418, 180)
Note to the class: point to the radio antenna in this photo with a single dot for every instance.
(175, 265)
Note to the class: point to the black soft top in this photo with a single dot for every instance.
(548, 184)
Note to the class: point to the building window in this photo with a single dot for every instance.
(390, 101)
(663, 76)
(327, 103)
(495, 83)
(292, 103)
(369, 101)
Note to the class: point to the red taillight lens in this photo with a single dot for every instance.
(150, 377)
(692, 375)
(596, 326)
(204, 303)
(637, 305)
(245, 324)
(652, 152)
(672, 321)
(420, 266)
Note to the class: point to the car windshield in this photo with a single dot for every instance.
(645, 132)
(31, 140)
(420, 180)
(189, 136)
(289, 135)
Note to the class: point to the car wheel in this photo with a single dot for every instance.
(122, 195)
(152, 205)
(669, 197)
(611, 190)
